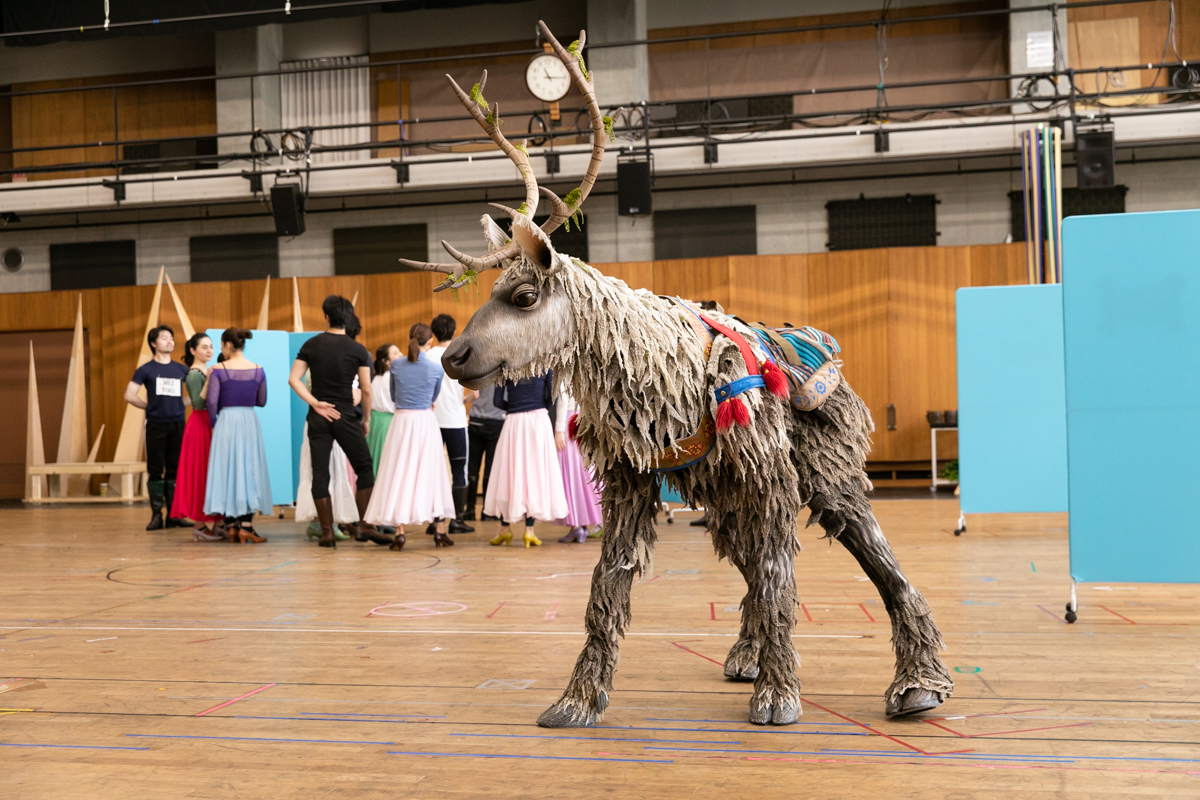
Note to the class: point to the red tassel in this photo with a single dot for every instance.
(573, 426)
(775, 380)
(732, 412)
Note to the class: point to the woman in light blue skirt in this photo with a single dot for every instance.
(238, 483)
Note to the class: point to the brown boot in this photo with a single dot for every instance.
(325, 517)
(363, 530)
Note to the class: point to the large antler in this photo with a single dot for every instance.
(562, 210)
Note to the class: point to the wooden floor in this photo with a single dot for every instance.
(136, 665)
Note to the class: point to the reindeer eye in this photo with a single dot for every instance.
(525, 297)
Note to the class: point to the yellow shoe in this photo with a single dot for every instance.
(504, 537)
(532, 540)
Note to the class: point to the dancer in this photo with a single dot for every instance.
(412, 475)
(382, 406)
(335, 359)
(163, 381)
(238, 482)
(583, 500)
(192, 478)
(451, 414)
(483, 431)
(527, 481)
(341, 492)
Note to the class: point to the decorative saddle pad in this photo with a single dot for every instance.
(807, 357)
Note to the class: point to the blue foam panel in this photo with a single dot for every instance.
(270, 350)
(1131, 316)
(1012, 425)
(299, 408)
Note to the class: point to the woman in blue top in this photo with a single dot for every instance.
(412, 485)
(526, 481)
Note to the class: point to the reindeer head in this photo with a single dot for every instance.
(528, 319)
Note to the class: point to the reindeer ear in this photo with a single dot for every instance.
(531, 240)
(495, 235)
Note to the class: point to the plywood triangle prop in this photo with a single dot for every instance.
(96, 446)
(35, 451)
(354, 300)
(264, 311)
(185, 321)
(133, 428)
(72, 436)
(297, 318)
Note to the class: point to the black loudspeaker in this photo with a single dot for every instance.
(633, 188)
(287, 204)
(1095, 160)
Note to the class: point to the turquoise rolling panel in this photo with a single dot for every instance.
(299, 408)
(1131, 317)
(269, 349)
(1012, 420)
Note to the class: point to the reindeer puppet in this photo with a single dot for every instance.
(644, 371)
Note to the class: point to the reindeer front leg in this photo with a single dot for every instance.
(629, 501)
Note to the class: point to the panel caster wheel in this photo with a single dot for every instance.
(1071, 617)
(670, 520)
(960, 531)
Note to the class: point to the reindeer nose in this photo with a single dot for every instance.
(455, 360)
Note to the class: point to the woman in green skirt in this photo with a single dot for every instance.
(382, 406)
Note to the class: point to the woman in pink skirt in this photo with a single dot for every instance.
(583, 501)
(412, 485)
(526, 481)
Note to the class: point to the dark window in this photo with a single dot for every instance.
(368, 251)
(573, 243)
(705, 232)
(862, 224)
(240, 257)
(1076, 203)
(91, 265)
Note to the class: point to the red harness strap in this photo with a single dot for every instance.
(747, 353)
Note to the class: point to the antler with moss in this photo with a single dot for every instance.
(488, 117)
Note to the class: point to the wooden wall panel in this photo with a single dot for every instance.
(635, 274)
(770, 289)
(694, 279)
(922, 367)
(848, 297)
(905, 356)
(998, 264)
(143, 112)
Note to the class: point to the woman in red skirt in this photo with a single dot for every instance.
(192, 479)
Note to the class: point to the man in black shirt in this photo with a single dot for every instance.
(333, 359)
(163, 381)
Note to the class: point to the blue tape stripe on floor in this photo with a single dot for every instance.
(331, 719)
(71, 746)
(1009, 755)
(583, 738)
(742, 721)
(729, 730)
(332, 714)
(540, 758)
(252, 739)
(964, 756)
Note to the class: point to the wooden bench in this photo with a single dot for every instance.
(130, 472)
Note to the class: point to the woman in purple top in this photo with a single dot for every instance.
(238, 483)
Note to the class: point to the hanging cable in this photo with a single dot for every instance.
(881, 53)
(105, 14)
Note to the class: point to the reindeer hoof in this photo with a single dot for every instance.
(742, 662)
(568, 715)
(913, 701)
(780, 713)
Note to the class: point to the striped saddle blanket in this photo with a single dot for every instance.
(808, 357)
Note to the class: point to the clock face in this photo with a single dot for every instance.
(547, 78)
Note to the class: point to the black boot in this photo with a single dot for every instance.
(460, 501)
(169, 496)
(156, 489)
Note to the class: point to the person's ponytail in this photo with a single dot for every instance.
(418, 336)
